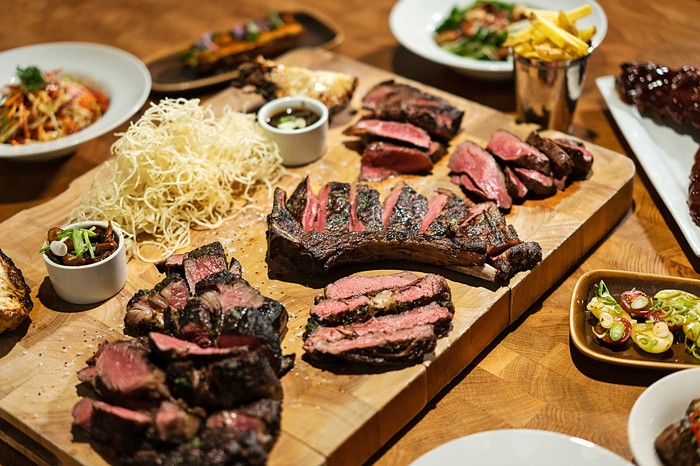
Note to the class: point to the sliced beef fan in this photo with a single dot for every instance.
(382, 160)
(518, 169)
(380, 320)
(311, 252)
(200, 383)
(391, 130)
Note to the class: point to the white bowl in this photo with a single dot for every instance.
(521, 447)
(90, 283)
(660, 405)
(122, 76)
(297, 146)
(413, 23)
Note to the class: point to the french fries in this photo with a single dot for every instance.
(552, 35)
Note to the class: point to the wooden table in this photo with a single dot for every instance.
(531, 376)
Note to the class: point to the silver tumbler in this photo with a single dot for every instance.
(546, 92)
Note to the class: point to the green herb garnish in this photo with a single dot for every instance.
(31, 78)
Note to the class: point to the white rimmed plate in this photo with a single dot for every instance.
(660, 405)
(522, 447)
(665, 155)
(413, 23)
(122, 76)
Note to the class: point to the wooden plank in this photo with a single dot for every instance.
(328, 417)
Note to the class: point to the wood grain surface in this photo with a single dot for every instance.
(530, 376)
(342, 417)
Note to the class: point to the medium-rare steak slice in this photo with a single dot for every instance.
(444, 212)
(148, 310)
(430, 314)
(509, 148)
(355, 285)
(400, 102)
(404, 210)
(382, 160)
(562, 165)
(314, 253)
(120, 427)
(203, 261)
(394, 131)
(516, 188)
(333, 207)
(429, 288)
(15, 295)
(404, 346)
(173, 424)
(303, 204)
(583, 159)
(536, 182)
(472, 160)
(365, 209)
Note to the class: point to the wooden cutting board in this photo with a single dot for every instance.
(333, 418)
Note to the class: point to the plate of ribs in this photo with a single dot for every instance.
(663, 132)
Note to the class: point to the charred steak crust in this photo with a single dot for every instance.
(461, 247)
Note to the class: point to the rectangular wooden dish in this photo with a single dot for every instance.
(327, 418)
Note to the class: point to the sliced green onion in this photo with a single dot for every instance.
(617, 330)
(606, 319)
(644, 342)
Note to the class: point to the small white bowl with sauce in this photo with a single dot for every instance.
(299, 126)
(90, 283)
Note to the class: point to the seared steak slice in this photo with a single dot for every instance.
(172, 264)
(404, 209)
(222, 290)
(146, 310)
(583, 159)
(430, 314)
(198, 323)
(203, 261)
(562, 165)
(122, 373)
(333, 207)
(491, 227)
(511, 149)
(167, 347)
(120, 427)
(472, 160)
(303, 204)
(404, 346)
(400, 102)
(355, 285)
(15, 295)
(536, 182)
(429, 288)
(393, 131)
(365, 209)
(381, 160)
(173, 424)
(222, 384)
(445, 210)
(516, 188)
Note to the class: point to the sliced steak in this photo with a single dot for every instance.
(404, 346)
(509, 148)
(334, 207)
(173, 424)
(365, 209)
(489, 225)
(472, 160)
(430, 288)
(303, 204)
(562, 165)
(290, 247)
(400, 102)
(404, 209)
(381, 160)
(452, 211)
(117, 426)
(204, 261)
(123, 372)
(516, 188)
(394, 131)
(355, 285)
(583, 159)
(536, 182)
(431, 314)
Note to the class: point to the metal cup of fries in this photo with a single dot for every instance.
(550, 59)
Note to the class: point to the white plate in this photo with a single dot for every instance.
(662, 404)
(413, 23)
(521, 447)
(122, 76)
(665, 155)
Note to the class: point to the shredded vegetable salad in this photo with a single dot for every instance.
(44, 106)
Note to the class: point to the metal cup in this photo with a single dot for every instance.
(546, 92)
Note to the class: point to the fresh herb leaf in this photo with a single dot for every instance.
(31, 78)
